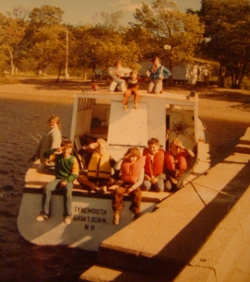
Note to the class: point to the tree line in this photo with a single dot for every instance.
(37, 40)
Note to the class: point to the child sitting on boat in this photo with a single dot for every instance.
(66, 171)
(154, 167)
(132, 89)
(99, 168)
(117, 72)
(176, 164)
(52, 139)
(132, 175)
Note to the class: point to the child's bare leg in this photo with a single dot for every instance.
(136, 98)
(125, 100)
(126, 97)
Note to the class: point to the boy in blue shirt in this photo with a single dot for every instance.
(157, 73)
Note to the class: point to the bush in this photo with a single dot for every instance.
(245, 84)
(8, 80)
(227, 82)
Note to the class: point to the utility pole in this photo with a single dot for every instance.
(67, 55)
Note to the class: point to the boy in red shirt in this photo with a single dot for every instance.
(176, 164)
(154, 166)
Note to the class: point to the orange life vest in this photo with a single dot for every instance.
(130, 172)
(176, 162)
(157, 165)
(182, 161)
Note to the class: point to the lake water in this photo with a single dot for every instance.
(21, 122)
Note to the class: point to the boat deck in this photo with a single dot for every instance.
(38, 176)
(92, 213)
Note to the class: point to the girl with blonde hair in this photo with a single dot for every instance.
(51, 140)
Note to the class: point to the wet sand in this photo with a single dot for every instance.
(25, 109)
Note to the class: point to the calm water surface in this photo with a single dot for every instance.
(21, 122)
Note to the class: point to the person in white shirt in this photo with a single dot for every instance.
(52, 139)
(117, 72)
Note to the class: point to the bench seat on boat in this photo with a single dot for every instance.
(38, 175)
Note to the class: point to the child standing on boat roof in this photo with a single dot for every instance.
(157, 73)
(66, 171)
(99, 167)
(154, 167)
(117, 72)
(176, 164)
(133, 89)
(132, 174)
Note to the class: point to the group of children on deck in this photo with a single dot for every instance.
(155, 74)
(154, 169)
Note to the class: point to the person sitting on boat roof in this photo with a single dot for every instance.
(66, 171)
(117, 72)
(176, 164)
(154, 167)
(52, 139)
(132, 175)
(157, 73)
(133, 88)
(99, 168)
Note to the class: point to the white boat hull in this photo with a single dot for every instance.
(91, 222)
(163, 116)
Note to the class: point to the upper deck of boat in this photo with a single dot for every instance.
(171, 98)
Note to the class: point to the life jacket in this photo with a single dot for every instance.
(130, 172)
(171, 163)
(158, 162)
(99, 166)
(182, 161)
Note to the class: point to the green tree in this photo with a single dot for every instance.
(113, 45)
(11, 33)
(228, 29)
(101, 45)
(45, 36)
(162, 24)
(82, 44)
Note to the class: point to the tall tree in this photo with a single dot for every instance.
(44, 35)
(162, 24)
(112, 44)
(101, 45)
(228, 28)
(82, 42)
(11, 33)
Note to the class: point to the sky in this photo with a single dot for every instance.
(88, 11)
